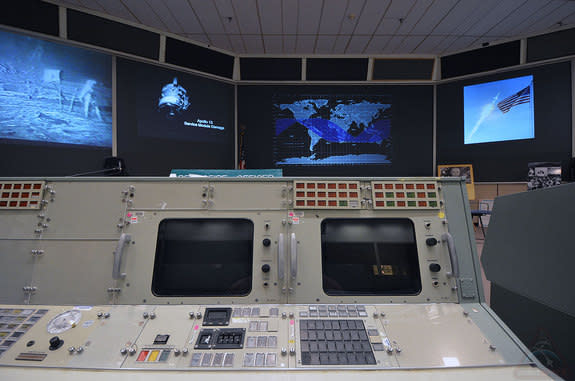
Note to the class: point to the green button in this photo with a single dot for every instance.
(343, 203)
(433, 204)
(390, 203)
(410, 194)
(164, 356)
(431, 194)
(411, 203)
(389, 194)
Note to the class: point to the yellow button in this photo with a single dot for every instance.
(153, 356)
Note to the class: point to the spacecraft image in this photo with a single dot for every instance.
(174, 99)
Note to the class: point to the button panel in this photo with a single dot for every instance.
(327, 195)
(21, 195)
(405, 195)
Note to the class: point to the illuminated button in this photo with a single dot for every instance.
(321, 203)
(251, 342)
(207, 359)
(7, 186)
(398, 186)
(379, 194)
(389, 194)
(300, 185)
(271, 359)
(15, 194)
(410, 194)
(409, 186)
(378, 186)
(310, 185)
(352, 186)
(229, 360)
(13, 203)
(17, 186)
(331, 186)
(332, 203)
(422, 203)
(320, 194)
(25, 194)
(431, 194)
(420, 194)
(400, 195)
(343, 203)
(23, 203)
(260, 359)
(218, 359)
(388, 186)
(420, 186)
(310, 202)
(37, 186)
(27, 186)
(390, 203)
(311, 194)
(379, 203)
(321, 186)
(164, 356)
(3, 203)
(153, 357)
(411, 203)
(342, 194)
(342, 186)
(353, 194)
(332, 194)
(300, 202)
(430, 186)
(433, 204)
(401, 203)
(300, 194)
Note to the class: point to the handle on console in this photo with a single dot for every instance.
(447, 237)
(124, 240)
(281, 261)
(293, 258)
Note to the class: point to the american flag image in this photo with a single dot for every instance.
(522, 96)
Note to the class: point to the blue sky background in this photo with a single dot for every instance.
(490, 124)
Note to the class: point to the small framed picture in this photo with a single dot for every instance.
(459, 170)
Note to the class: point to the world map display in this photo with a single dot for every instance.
(330, 130)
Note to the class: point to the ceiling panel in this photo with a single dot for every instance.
(207, 13)
(371, 16)
(90, 4)
(116, 8)
(408, 44)
(198, 37)
(273, 43)
(290, 16)
(518, 17)
(352, 13)
(414, 15)
(332, 16)
(229, 19)
(254, 44)
(494, 17)
(270, 16)
(309, 12)
(461, 43)
(325, 44)
(428, 44)
(444, 44)
(551, 20)
(479, 12)
(399, 9)
(433, 16)
(289, 44)
(184, 15)
(357, 44)
(247, 14)
(463, 10)
(237, 43)
(340, 44)
(220, 41)
(377, 44)
(388, 26)
(166, 16)
(543, 11)
(393, 44)
(570, 19)
(305, 43)
(144, 14)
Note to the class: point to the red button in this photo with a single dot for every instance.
(400, 195)
(17, 186)
(300, 185)
(300, 203)
(378, 186)
(332, 194)
(398, 186)
(420, 186)
(143, 355)
(321, 186)
(352, 194)
(332, 203)
(37, 186)
(342, 194)
(321, 202)
(430, 186)
(320, 194)
(311, 194)
(331, 186)
(380, 203)
(422, 203)
(379, 194)
(352, 186)
(310, 202)
(420, 194)
(310, 185)
(401, 203)
(388, 186)
(409, 186)
(342, 186)
(300, 194)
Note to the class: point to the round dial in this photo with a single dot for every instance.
(64, 321)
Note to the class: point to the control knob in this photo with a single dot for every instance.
(145, 315)
(152, 315)
(266, 242)
(434, 267)
(55, 343)
(292, 351)
(284, 351)
(132, 351)
(266, 268)
(431, 241)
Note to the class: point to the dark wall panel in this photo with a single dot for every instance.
(272, 69)
(198, 58)
(403, 69)
(113, 35)
(411, 128)
(337, 69)
(551, 45)
(507, 160)
(34, 15)
(479, 60)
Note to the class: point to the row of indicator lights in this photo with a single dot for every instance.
(155, 355)
(403, 186)
(327, 194)
(16, 204)
(326, 186)
(20, 186)
(342, 203)
(20, 194)
(409, 204)
(405, 194)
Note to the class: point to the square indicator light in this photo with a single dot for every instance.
(332, 194)
(310, 185)
(379, 194)
(27, 186)
(300, 185)
(7, 186)
(433, 204)
(332, 203)
(300, 194)
(390, 203)
(353, 194)
(409, 186)
(310, 202)
(343, 203)
(388, 186)
(321, 203)
(5, 195)
(153, 356)
(320, 194)
(430, 186)
(3, 203)
(331, 186)
(37, 186)
(398, 186)
(410, 194)
(17, 186)
(352, 186)
(321, 186)
(378, 186)
(23, 203)
(15, 194)
(342, 194)
(411, 203)
(400, 195)
(379, 203)
(401, 203)
(422, 203)
(13, 203)
(300, 203)
(311, 194)
(342, 186)
(389, 194)
(142, 356)
(431, 194)
(420, 186)
(25, 194)
(420, 194)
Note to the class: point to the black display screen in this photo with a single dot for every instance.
(203, 257)
(369, 256)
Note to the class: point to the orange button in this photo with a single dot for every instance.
(378, 186)
(400, 195)
(310, 185)
(409, 186)
(142, 356)
(401, 203)
(430, 186)
(342, 186)
(352, 194)
(352, 186)
(422, 203)
(379, 194)
(398, 186)
(380, 203)
(321, 186)
(420, 194)
(388, 186)
(331, 186)
(321, 202)
(420, 186)
(300, 185)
